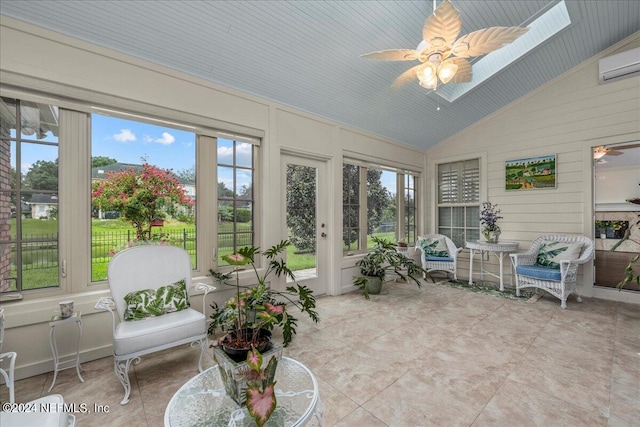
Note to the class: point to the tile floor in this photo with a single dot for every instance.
(417, 357)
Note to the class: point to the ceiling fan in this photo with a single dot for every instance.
(601, 151)
(441, 53)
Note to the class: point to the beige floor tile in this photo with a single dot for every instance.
(413, 356)
(516, 404)
(360, 417)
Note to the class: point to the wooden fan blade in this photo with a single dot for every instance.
(408, 76)
(443, 26)
(463, 74)
(392, 55)
(614, 153)
(625, 147)
(487, 40)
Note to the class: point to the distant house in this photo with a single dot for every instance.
(100, 172)
(42, 205)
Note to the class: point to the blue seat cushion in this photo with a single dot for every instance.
(439, 259)
(539, 272)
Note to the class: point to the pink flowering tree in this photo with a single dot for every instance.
(140, 196)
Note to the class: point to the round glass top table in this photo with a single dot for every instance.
(202, 401)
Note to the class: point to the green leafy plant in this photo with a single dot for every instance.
(384, 258)
(260, 307)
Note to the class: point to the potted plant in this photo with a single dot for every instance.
(383, 259)
(250, 315)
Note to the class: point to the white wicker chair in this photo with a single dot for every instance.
(448, 264)
(150, 267)
(563, 283)
(11, 356)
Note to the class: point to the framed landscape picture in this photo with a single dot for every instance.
(532, 173)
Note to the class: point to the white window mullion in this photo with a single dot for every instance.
(74, 214)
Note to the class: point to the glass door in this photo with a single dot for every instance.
(306, 220)
(617, 212)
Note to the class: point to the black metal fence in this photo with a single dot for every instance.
(105, 244)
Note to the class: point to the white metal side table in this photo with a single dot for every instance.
(499, 249)
(61, 365)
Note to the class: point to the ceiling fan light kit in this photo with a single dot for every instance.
(441, 53)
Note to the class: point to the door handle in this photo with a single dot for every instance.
(323, 234)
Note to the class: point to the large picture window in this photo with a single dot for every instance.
(28, 195)
(459, 200)
(143, 188)
(143, 180)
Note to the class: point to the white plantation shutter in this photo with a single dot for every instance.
(470, 188)
(458, 200)
(459, 182)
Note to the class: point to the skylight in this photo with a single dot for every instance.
(546, 26)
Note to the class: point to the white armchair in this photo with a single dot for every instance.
(47, 411)
(551, 264)
(151, 267)
(11, 357)
(438, 253)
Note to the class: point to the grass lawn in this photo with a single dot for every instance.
(40, 259)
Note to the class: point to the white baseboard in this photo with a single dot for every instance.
(42, 367)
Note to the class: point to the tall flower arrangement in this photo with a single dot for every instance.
(489, 220)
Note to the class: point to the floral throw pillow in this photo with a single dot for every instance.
(551, 253)
(156, 302)
(434, 246)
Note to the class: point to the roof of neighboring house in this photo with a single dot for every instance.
(101, 172)
(46, 199)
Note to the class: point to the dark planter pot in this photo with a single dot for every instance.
(237, 349)
(374, 284)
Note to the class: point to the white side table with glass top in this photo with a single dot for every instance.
(61, 365)
(499, 249)
(203, 401)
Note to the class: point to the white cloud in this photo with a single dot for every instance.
(25, 167)
(166, 139)
(225, 154)
(125, 135)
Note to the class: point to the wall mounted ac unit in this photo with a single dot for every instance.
(620, 66)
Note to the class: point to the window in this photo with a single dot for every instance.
(459, 200)
(160, 205)
(391, 206)
(235, 196)
(409, 208)
(28, 195)
(172, 169)
(351, 207)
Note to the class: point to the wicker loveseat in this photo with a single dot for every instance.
(537, 268)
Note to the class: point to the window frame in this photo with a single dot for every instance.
(469, 227)
(74, 184)
(401, 173)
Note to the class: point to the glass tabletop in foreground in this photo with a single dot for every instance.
(202, 401)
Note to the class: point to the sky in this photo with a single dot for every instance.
(130, 141)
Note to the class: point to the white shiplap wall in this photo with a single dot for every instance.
(567, 117)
